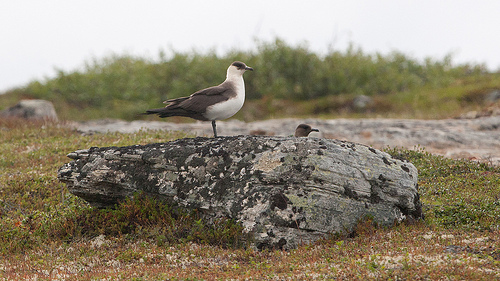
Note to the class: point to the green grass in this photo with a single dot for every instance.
(456, 193)
(48, 233)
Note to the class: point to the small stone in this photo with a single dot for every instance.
(362, 102)
(427, 236)
(32, 109)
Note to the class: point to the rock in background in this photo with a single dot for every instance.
(31, 109)
(284, 190)
(475, 139)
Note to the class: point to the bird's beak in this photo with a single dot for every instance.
(248, 68)
(314, 130)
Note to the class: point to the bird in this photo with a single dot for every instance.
(213, 103)
(303, 130)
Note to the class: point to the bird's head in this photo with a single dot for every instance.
(303, 130)
(238, 68)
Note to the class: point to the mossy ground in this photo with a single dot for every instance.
(47, 233)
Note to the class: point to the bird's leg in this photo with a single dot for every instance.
(214, 127)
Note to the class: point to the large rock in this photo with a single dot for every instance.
(31, 109)
(284, 190)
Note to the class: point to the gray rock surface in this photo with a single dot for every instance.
(31, 109)
(284, 190)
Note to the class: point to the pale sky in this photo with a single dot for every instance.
(36, 37)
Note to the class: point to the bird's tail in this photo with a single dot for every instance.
(174, 111)
(166, 112)
(170, 110)
(153, 111)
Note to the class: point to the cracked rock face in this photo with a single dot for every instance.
(284, 190)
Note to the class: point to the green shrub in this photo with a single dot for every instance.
(127, 85)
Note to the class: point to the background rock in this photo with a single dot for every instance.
(478, 138)
(362, 102)
(284, 190)
(493, 96)
(31, 109)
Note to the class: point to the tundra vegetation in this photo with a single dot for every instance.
(47, 233)
(288, 81)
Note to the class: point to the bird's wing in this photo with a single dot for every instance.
(176, 101)
(198, 101)
(212, 91)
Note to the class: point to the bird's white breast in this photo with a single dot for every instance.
(226, 109)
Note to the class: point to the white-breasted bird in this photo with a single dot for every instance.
(211, 104)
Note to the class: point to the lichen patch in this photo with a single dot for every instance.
(269, 161)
